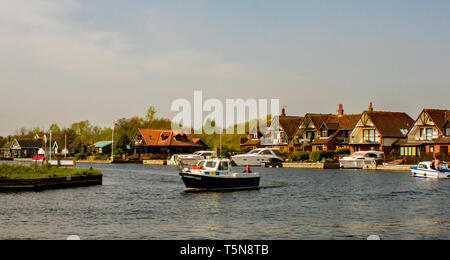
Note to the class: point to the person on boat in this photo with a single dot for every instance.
(436, 164)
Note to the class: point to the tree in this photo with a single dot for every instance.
(150, 116)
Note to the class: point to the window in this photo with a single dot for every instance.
(324, 132)
(408, 151)
(369, 135)
(266, 152)
(447, 131)
(223, 166)
(311, 135)
(426, 134)
(431, 149)
(210, 164)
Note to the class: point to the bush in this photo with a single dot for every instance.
(81, 156)
(300, 156)
(343, 151)
(318, 156)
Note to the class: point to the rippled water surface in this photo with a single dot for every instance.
(149, 202)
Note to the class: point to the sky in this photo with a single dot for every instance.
(64, 61)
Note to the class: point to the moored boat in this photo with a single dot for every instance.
(428, 169)
(258, 157)
(361, 160)
(217, 174)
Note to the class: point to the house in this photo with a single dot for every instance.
(25, 148)
(164, 142)
(428, 136)
(309, 130)
(253, 139)
(103, 147)
(281, 132)
(378, 131)
(335, 131)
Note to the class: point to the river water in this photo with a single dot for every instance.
(149, 202)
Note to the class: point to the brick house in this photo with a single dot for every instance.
(379, 131)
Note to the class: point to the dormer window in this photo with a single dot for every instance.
(324, 132)
(426, 134)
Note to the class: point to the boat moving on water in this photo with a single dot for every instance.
(216, 174)
(428, 169)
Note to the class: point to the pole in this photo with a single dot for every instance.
(220, 145)
(50, 146)
(112, 144)
(65, 146)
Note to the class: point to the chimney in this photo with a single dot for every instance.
(341, 110)
(283, 112)
(371, 107)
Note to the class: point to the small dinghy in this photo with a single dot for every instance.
(428, 169)
(216, 174)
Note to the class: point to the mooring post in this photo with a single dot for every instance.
(59, 162)
(74, 164)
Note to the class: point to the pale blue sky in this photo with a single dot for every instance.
(64, 61)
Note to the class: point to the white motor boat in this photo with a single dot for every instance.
(259, 156)
(428, 169)
(190, 159)
(361, 160)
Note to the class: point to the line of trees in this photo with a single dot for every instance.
(82, 135)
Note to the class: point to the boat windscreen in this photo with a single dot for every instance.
(277, 153)
(210, 164)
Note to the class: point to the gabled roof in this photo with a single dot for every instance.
(30, 143)
(154, 137)
(317, 119)
(290, 124)
(324, 140)
(390, 124)
(440, 117)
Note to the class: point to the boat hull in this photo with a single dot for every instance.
(355, 164)
(205, 182)
(429, 174)
(242, 161)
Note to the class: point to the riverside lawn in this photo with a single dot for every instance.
(17, 171)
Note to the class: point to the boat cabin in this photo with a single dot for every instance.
(429, 166)
(214, 167)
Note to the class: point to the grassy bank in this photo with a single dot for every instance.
(17, 171)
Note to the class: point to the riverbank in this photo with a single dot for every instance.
(30, 178)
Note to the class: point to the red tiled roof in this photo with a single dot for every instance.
(443, 140)
(389, 124)
(344, 122)
(252, 142)
(440, 117)
(154, 137)
(290, 124)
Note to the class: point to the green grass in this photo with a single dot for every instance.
(17, 171)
